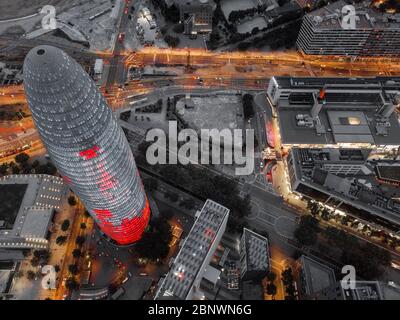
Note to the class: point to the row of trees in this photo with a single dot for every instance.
(22, 165)
(248, 109)
(236, 16)
(12, 115)
(271, 287)
(172, 41)
(288, 282)
(209, 186)
(326, 214)
(171, 13)
(367, 258)
(344, 247)
(155, 241)
(202, 182)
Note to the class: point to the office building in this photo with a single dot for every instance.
(336, 112)
(85, 143)
(27, 210)
(313, 278)
(329, 31)
(347, 181)
(254, 256)
(190, 265)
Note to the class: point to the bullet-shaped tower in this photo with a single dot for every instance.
(85, 143)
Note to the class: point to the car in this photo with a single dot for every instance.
(121, 37)
(126, 10)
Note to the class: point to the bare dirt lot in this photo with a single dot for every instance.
(11, 9)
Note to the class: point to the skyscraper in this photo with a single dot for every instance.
(85, 143)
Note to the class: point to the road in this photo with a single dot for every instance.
(198, 57)
(116, 73)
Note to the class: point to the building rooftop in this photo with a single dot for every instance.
(33, 212)
(389, 171)
(340, 111)
(330, 17)
(257, 252)
(360, 189)
(317, 276)
(308, 84)
(190, 259)
(364, 290)
(4, 280)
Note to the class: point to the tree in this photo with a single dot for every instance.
(30, 275)
(3, 169)
(271, 276)
(248, 110)
(76, 253)
(306, 232)
(15, 169)
(57, 268)
(73, 268)
(243, 46)
(287, 276)
(65, 225)
(367, 259)
(80, 240)
(287, 279)
(72, 201)
(61, 240)
(172, 41)
(325, 214)
(71, 284)
(47, 168)
(154, 242)
(40, 257)
(271, 289)
(187, 204)
(22, 158)
(313, 207)
(51, 169)
(178, 28)
(35, 164)
(172, 196)
(172, 14)
(150, 184)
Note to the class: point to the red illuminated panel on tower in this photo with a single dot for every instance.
(89, 153)
(67, 179)
(129, 231)
(106, 181)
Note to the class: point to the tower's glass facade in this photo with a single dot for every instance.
(85, 143)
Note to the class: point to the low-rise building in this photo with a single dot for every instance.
(313, 278)
(363, 290)
(196, 15)
(27, 209)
